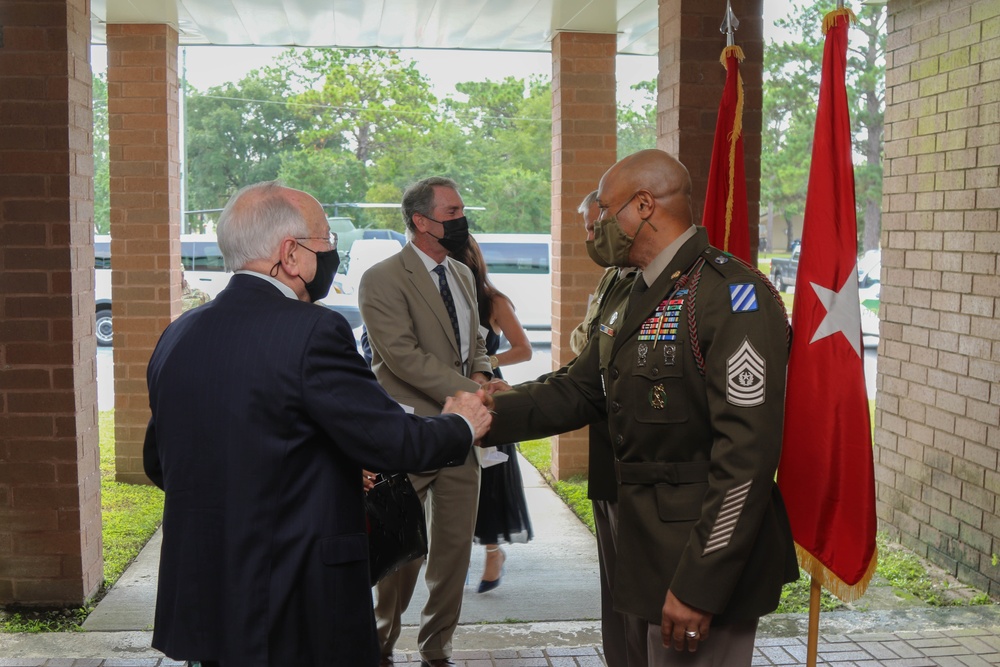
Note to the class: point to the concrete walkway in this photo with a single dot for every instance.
(543, 615)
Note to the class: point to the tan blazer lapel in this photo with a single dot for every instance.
(427, 286)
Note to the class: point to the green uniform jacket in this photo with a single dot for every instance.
(601, 484)
(698, 510)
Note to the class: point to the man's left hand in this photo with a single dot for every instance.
(683, 626)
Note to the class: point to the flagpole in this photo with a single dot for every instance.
(813, 638)
(730, 24)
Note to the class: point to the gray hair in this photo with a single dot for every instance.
(254, 222)
(419, 198)
(587, 202)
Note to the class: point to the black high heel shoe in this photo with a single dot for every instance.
(485, 586)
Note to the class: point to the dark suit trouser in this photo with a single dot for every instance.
(623, 635)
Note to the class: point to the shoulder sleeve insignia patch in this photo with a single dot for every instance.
(743, 297)
(745, 377)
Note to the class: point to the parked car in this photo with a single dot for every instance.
(520, 265)
(783, 269)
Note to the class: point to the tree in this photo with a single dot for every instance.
(637, 129)
(237, 134)
(502, 132)
(791, 89)
(102, 157)
(367, 101)
(332, 176)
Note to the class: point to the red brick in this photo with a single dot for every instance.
(30, 566)
(45, 497)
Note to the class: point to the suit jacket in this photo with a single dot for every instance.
(414, 352)
(263, 415)
(698, 510)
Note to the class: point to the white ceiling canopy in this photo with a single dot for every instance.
(501, 25)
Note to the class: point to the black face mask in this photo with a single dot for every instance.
(456, 233)
(327, 263)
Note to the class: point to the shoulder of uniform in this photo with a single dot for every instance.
(728, 266)
(607, 278)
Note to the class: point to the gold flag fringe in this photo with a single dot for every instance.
(830, 581)
(830, 19)
(734, 136)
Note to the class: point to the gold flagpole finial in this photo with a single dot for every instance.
(730, 24)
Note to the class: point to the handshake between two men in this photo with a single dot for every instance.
(477, 408)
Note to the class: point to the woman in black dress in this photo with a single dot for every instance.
(503, 511)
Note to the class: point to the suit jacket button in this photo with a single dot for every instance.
(615, 406)
(619, 440)
(655, 371)
(614, 373)
(457, 364)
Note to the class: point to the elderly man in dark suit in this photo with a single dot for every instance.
(423, 326)
(688, 368)
(263, 415)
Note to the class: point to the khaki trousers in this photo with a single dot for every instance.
(451, 500)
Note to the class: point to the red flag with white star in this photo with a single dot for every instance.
(826, 474)
(726, 217)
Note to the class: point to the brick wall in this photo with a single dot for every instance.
(145, 219)
(690, 86)
(937, 429)
(50, 516)
(584, 146)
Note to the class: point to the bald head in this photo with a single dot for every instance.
(658, 173)
(660, 188)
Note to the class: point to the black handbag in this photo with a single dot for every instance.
(397, 530)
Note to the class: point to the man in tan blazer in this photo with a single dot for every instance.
(420, 309)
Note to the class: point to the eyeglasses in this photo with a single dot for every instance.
(331, 240)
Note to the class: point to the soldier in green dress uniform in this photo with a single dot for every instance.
(688, 368)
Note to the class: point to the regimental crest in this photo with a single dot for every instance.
(743, 297)
(745, 377)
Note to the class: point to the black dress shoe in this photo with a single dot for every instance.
(443, 662)
(385, 661)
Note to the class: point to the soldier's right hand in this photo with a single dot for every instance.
(471, 407)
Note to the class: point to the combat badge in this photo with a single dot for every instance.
(643, 350)
(745, 377)
(658, 397)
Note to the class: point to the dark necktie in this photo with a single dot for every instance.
(449, 303)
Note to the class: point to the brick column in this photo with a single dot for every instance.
(145, 219)
(50, 506)
(937, 423)
(584, 142)
(690, 87)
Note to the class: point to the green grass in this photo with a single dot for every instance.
(906, 573)
(130, 513)
(573, 491)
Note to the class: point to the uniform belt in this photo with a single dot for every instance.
(654, 472)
